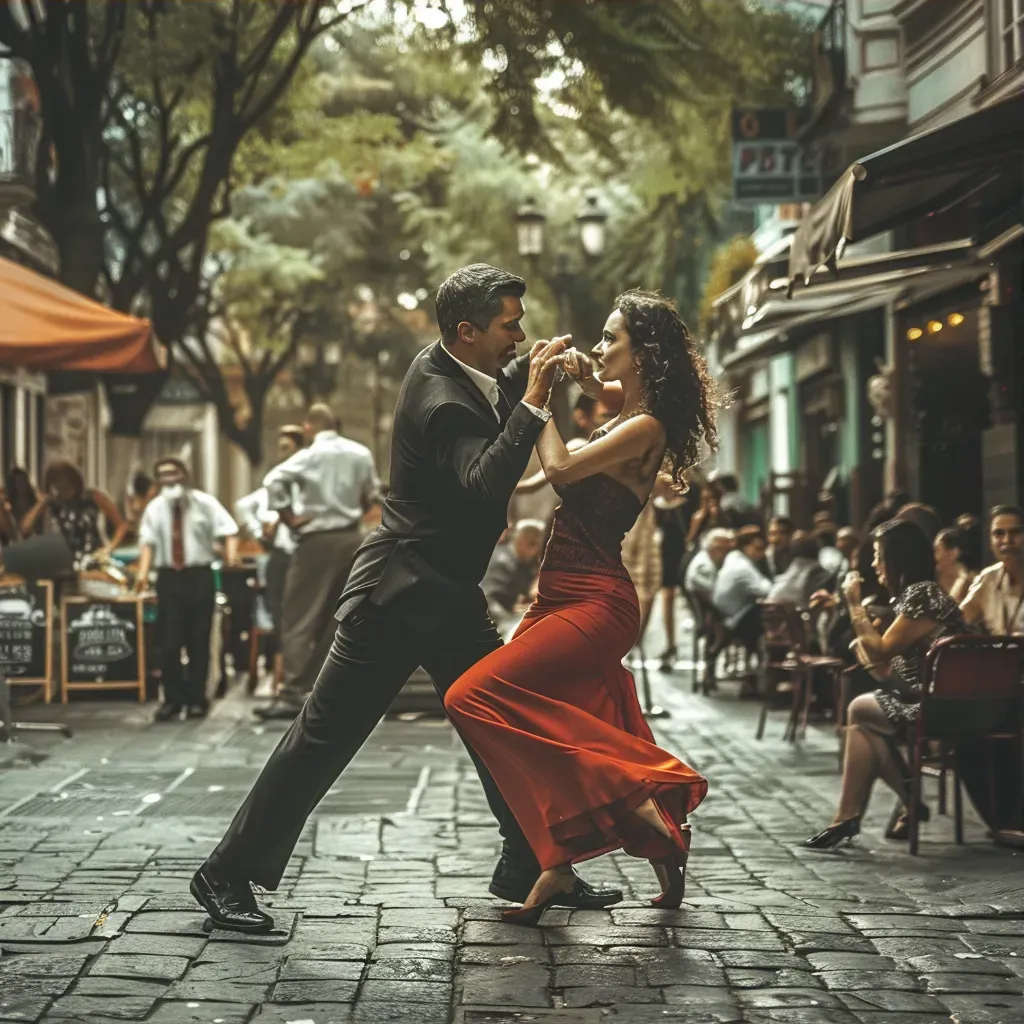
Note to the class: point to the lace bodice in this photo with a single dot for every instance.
(595, 514)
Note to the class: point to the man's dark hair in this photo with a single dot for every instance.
(784, 521)
(746, 536)
(727, 482)
(907, 554)
(924, 517)
(474, 295)
(1005, 510)
(142, 483)
(804, 545)
(826, 536)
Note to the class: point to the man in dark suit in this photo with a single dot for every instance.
(468, 415)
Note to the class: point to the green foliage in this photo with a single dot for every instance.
(730, 262)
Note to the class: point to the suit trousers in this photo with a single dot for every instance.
(185, 604)
(316, 577)
(372, 656)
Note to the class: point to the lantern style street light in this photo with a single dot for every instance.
(530, 229)
(592, 219)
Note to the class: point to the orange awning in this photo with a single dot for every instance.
(46, 326)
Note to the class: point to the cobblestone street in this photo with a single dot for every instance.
(384, 917)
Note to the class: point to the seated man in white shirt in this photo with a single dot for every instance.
(803, 576)
(703, 569)
(740, 585)
(178, 534)
(996, 598)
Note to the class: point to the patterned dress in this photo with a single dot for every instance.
(924, 600)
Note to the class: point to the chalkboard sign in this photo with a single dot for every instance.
(104, 645)
(26, 631)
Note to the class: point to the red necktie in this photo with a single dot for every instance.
(177, 538)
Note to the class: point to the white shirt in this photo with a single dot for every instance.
(254, 512)
(1002, 605)
(488, 386)
(333, 481)
(205, 520)
(700, 576)
(738, 587)
(832, 560)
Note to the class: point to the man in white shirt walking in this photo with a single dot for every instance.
(179, 531)
(322, 494)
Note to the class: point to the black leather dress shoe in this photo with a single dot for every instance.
(231, 905)
(280, 710)
(167, 713)
(513, 884)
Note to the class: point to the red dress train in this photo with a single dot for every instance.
(554, 714)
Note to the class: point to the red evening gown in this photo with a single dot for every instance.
(554, 714)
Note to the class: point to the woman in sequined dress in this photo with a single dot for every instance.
(554, 714)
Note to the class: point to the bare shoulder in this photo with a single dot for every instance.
(642, 427)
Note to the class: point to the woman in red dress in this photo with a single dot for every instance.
(554, 714)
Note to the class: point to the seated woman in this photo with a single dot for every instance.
(905, 565)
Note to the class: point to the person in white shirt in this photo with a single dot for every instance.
(740, 585)
(264, 524)
(996, 598)
(322, 494)
(178, 535)
(702, 572)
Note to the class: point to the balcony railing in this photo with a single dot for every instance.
(828, 75)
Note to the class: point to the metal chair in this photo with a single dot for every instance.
(972, 690)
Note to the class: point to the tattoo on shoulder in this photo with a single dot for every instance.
(643, 468)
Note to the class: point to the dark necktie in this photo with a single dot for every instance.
(178, 537)
(504, 409)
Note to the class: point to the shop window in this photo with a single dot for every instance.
(1011, 32)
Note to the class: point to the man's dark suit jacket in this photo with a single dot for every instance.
(453, 470)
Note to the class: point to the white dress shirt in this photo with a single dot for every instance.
(205, 521)
(738, 587)
(333, 482)
(254, 512)
(1001, 603)
(488, 386)
(700, 576)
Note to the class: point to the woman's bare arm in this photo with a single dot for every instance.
(635, 439)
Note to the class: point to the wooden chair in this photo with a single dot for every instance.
(972, 691)
(787, 668)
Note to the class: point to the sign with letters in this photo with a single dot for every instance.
(26, 631)
(769, 164)
(104, 647)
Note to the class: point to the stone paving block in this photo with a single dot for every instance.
(430, 992)
(139, 965)
(320, 1013)
(988, 1009)
(743, 977)
(240, 972)
(681, 918)
(101, 1007)
(810, 1015)
(609, 995)
(695, 938)
(408, 970)
(518, 984)
(16, 987)
(297, 969)
(379, 1012)
(239, 953)
(904, 949)
(894, 1002)
(44, 930)
(969, 984)
(700, 998)
(415, 951)
(872, 981)
(97, 985)
(416, 934)
(905, 924)
(191, 1012)
(29, 1009)
(169, 923)
(743, 958)
(823, 942)
(40, 965)
(808, 923)
(964, 963)
(784, 998)
(681, 967)
(322, 991)
(995, 945)
(497, 933)
(994, 926)
(609, 936)
(577, 975)
(501, 955)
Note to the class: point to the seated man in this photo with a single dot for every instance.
(512, 572)
(780, 539)
(739, 587)
(703, 569)
(996, 598)
(829, 555)
(804, 576)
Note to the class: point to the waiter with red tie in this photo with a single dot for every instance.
(178, 533)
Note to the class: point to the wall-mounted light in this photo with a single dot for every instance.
(914, 333)
(955, 319)
(934, 326)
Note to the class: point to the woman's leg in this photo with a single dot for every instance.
(668, 612)
(869, 755)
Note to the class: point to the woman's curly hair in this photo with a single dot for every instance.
(677, 388)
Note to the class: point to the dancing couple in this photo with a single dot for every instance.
(551, 720)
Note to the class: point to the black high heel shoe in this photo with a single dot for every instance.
(899, 821)
(834, 835)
